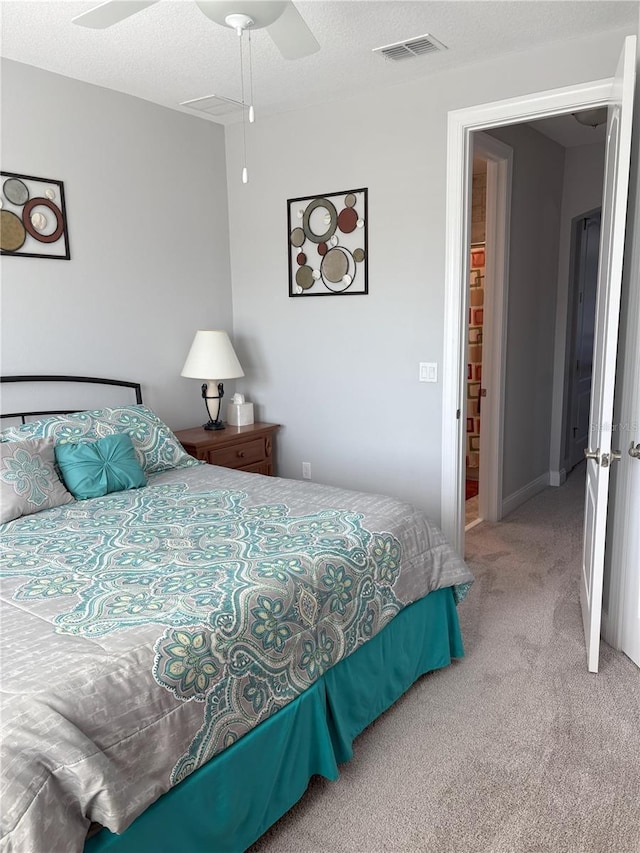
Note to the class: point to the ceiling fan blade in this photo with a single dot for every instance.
(291, 35)
(111, 12)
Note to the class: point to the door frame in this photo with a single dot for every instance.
(461, 124)
(499, 159)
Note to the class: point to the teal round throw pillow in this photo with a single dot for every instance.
(94, 468)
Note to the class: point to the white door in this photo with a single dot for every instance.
(614, 207)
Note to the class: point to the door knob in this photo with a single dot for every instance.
(634, 452)
(606, 459)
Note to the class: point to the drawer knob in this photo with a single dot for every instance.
(241, 453)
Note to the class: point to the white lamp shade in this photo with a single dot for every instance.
(212, 357)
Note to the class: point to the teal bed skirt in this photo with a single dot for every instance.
(227, 804)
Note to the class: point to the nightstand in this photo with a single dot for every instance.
(248, 448)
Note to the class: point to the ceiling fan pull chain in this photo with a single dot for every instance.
(252, 116)
(245, 175)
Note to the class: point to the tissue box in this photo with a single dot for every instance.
(240, 414)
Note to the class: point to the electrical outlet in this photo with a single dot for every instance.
(306, 470)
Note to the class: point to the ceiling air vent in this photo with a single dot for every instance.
(411, 48)
(214, 105)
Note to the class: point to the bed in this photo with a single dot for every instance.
(181, 654)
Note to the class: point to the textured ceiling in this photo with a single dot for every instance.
(171, 52)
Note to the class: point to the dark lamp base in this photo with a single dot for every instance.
(214, 425)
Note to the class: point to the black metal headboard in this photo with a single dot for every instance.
(84, 379)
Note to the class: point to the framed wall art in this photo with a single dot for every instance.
(33, 218)
(327, 240)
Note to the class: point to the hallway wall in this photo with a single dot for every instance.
(581, 193)
(536, 202)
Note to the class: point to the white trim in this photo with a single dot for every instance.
(558, 478)
(499, 159)
(459, 164)
(525, 493)
(461, 123)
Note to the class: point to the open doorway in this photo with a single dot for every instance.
(531, 308)
(473, 414)
(617, 95)
(489, 262)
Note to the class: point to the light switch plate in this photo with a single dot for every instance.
(428, 371)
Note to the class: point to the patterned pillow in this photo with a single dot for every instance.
(156, 447)
(28, 479)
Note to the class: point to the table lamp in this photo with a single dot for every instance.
(212, 354)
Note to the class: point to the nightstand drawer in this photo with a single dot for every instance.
(238, 457)
(247, 448)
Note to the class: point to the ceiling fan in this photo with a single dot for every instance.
(280, 18)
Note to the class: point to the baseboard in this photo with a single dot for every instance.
(558, 478)
(525, 493)
(473, 524)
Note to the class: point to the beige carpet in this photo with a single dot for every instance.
(516, 748)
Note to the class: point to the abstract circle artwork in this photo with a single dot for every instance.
(319, 228)
(39, 221)
(334, 265)
(12, 232)
(347, 220)
(31, 212)
(304, 277)
(328, 253)
(15, 191)
(297, 237)
(33, 222)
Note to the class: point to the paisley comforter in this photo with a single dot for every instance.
(145, 631)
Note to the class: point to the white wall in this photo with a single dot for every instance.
(145, 190)
(536, 200)
(581, 193)
(341, 373)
